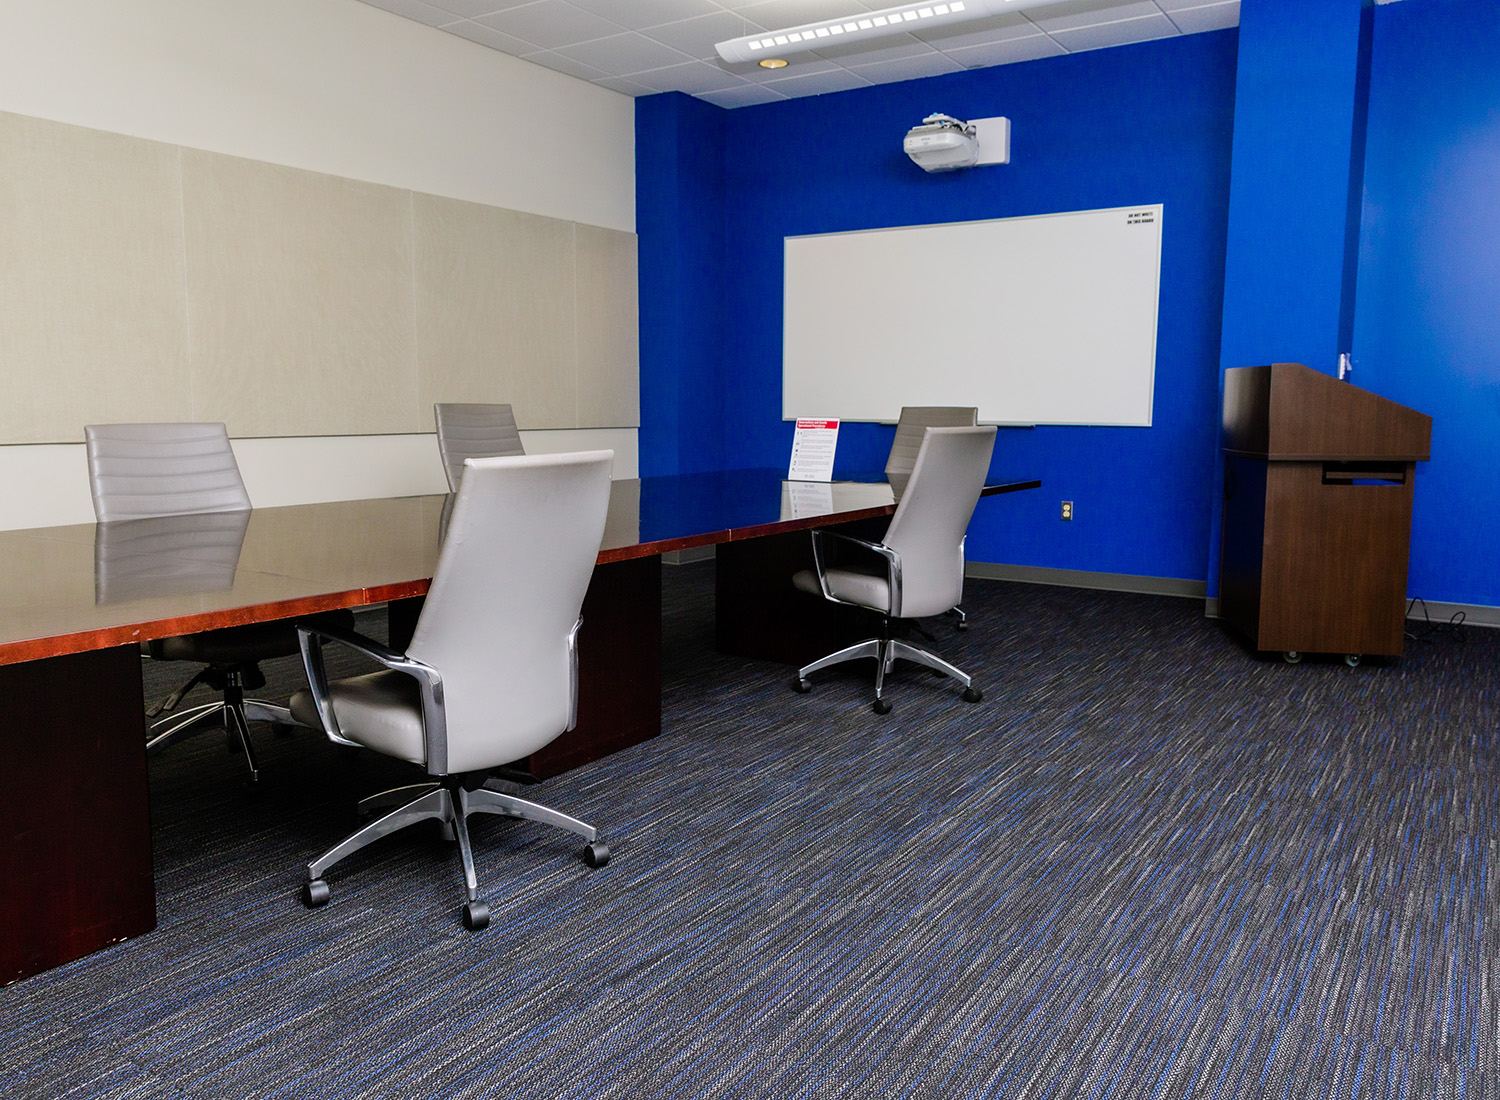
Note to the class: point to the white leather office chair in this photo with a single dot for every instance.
(139, 474)
(919, 564)
(491, 674)
(914, 420)
(474, 431)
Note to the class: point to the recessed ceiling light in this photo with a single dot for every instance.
(772, 63)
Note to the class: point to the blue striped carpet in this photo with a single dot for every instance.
(1149, 864)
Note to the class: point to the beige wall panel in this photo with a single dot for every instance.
(91, 281)
(609, 366)
(299, 299)
(495, 310)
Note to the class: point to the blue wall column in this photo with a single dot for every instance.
(679, 158)
(1301, 100)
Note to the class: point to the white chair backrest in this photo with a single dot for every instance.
(928, 527)
(914, 418)
(509, 585)
(473, 431)
(138, 470)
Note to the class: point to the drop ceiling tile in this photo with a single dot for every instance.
(414, 10)
(907, 68)
(1104, 35)
(1210, 17)
(981, 32)
(1006, 53)
(742, 97)
(1074, 14)
(485, 36)
(467, 9)
(638, 14)
(551, 23)
(696, 37)
(838, 80)
(623, 86)
(692, 78)
(800, 65)
(564, 64)
(623, 54)
(776, 14)
(872, 50)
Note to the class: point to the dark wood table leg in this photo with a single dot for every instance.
(619, 667)
(75, 830)
(401, 621)
(759, 614)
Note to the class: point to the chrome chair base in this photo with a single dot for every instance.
(451, 804)
(232, 715)
(886, 651)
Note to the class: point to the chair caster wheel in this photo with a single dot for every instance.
(315, 893)
(476, 916)
(1351, 659)
(881, 706)
(961, 627)
(972, 695)
(1292, 657)
(596, 854)
(801, 686)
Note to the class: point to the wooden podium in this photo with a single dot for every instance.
(1318, 482)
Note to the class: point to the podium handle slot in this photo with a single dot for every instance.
(1364, 473)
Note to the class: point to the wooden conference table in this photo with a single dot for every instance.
(75, 840)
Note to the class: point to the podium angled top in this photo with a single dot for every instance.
(1290, 412)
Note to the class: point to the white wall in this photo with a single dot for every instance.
(333, 86)
(47, 485)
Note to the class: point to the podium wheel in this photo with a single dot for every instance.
(1351, 659)
(1292, 657)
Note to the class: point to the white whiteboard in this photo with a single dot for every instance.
(1039, 320)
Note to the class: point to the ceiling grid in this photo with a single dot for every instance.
(639, 47)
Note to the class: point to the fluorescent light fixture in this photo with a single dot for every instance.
(875, 24)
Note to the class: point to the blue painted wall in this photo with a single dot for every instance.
(1146, 123)
(1298, 115)
(1140, 124)
(1301, 94)
(680, 164)
(1427, 323)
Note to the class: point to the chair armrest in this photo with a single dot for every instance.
(354, 640)
(310, 640)
(573, 675)
(892, 564)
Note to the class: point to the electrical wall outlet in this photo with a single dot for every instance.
(1067, 509)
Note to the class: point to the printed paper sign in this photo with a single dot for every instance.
(813, 445)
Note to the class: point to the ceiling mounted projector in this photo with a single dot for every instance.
(942, 143)
(864, 25)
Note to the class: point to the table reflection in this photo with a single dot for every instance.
(140, 559)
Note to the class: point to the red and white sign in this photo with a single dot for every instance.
(813, 446)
